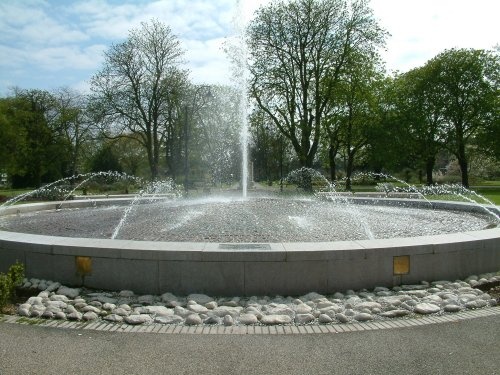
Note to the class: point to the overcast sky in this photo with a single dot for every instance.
(47, 44)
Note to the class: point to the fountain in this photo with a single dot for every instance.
(264, 244)
(259, 245)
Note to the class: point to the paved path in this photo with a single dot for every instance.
(461, 346)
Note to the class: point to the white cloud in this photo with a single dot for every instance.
(43, 37)
(199, 18)
(27, 24)
(207, 61)
(74, 57)
(82, 86)
(422, 29)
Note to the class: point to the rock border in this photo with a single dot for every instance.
(58, 303)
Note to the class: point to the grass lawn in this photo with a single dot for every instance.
(13, 192)
(495, 183)
(493, 194)
(488, 189)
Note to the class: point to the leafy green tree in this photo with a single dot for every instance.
(298, 50)
(131, 157)
(39, 152)
(389, 143)
(357, 107)
(105, 160)
(11, 138)
(420, 110)
(468, 81)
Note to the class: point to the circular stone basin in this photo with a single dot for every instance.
(180, 246)
(259, 219)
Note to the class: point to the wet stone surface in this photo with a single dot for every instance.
(252, 220)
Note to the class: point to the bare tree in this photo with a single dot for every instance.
(73, 124)
(134, 89)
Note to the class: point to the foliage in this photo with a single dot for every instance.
(306, 178)
(36, 151)
(419, 107)
(73, 124)
(354, 109)
(388, 147)
(449, 106)
(43, 135)
(130, 155)
(298, 52)
(216, 136)
(469, 83)
(269, 151)
(9, 282)
(105, 160)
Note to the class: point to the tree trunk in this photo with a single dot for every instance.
(429, 167)
(333, 167)
(152, 167)
(462, 162)
(348, 171)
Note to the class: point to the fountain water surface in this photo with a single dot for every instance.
(257, 219)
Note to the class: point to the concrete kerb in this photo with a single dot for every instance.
(251, 269)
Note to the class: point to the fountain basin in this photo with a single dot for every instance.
(257, 268)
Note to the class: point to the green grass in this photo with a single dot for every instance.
(492, 194)
(444, 197)
(488, 189)
(30, 321)
(363, 188)
(13, 192)
(494, 183)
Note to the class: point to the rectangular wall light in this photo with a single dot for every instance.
(401, 265)
(83, 265)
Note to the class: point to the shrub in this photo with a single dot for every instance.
(54, 193)
(307, 178)
(9, 282)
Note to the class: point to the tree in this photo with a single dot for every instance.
(174, 119)
(389, 142)
(105, 160)
(298, 51)
(355, 108)
(420, 110)
(134, 89)
(216, 134)
(131, 157)
(11, 137)
(39, 152)
(468, 81)
(73, 124)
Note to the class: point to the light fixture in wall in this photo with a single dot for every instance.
(401, 265)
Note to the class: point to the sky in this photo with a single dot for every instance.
(48, 44)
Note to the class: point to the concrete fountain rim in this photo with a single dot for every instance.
(285, 268)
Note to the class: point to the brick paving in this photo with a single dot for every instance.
(317, 329)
